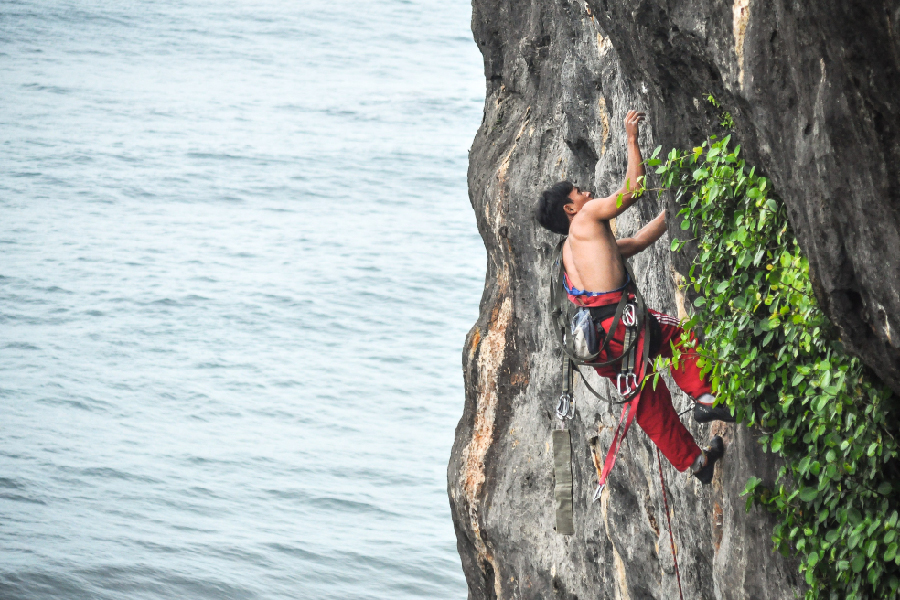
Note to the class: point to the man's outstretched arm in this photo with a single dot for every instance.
(642, 240)
(604, 209)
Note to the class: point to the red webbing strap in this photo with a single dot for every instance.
(662, 483)
(630, 409)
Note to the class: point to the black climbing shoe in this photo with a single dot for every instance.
(713, 452)
(705, 414)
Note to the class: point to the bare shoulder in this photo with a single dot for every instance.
(585, 228)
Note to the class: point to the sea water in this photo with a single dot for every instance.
(237, 266)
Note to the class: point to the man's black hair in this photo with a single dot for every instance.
(549, 210)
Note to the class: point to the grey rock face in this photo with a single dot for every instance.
(810, 86)
(813, 86)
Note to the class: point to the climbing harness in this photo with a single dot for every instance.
(632, 312)
(662, 483)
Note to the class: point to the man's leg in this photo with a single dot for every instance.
(687, 375)
(658, 419)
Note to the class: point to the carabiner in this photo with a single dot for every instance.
(599, 491)
(631, 382)
(629, 316)
(565, 406)
(619, 388)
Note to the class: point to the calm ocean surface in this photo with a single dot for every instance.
(237, 265)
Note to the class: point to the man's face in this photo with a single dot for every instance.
(579, 198)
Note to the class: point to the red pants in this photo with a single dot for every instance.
(655, 413)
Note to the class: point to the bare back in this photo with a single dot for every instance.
(591, 256)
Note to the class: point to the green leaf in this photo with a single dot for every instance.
(857, 563)
(751, 486)
(807, 494)
(759, 256)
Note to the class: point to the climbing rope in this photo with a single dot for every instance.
(662, 482)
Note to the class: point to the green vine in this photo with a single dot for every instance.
(725, 118)
(774, 357)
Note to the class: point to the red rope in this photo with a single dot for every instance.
(662, 482)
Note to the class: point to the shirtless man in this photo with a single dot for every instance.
(596, 276)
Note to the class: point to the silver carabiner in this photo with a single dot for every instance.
(565, 406)
(599, 491)
(632, 381)
(629, 316)
(619, 383)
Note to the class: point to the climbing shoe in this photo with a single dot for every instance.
(713, 452)
(705, 414)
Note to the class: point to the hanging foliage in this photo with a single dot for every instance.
(774, 357)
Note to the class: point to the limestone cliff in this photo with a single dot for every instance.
(812, 88)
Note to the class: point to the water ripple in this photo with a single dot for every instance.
(239, 263)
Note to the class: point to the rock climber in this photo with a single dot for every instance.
(593, 260)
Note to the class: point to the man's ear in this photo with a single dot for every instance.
(570, 209)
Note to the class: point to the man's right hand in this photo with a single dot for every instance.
(604, 209)
(632, 121)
